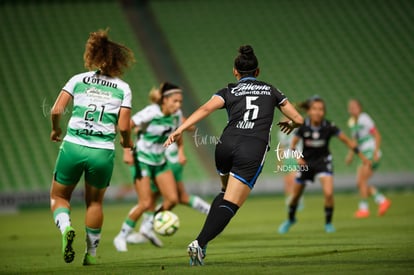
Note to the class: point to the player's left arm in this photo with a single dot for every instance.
(353, 146)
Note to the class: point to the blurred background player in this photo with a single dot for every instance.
(289, 164)
(176, 160)
(250, 105)
(154, 123)
(368, 139)
(316, 133)
(101, 104)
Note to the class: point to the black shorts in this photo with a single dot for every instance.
(242, 157)
(319, 167)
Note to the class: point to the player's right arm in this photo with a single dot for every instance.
(352, 145)
(216, 102)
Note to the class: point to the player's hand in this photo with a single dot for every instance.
(287, 126)
(376, 156)
(182, 159)
(301, 161)
(55, 135)
(128, 156)
(172, 138)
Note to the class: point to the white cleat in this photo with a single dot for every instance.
(152, 237)
(196, 253)
(120, 244)
(136, 238)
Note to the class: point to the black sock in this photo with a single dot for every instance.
(217, 219)
(159, 209)
(217, 200)
(292, 213)
(328, 214)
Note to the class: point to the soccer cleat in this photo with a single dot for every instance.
(361, 214)
(88, 259)
(136, 238)
(67, 241)
(152, 237)
(196, 253)
(284, 227)
(329, 228)
(383, 207)
(120, 244)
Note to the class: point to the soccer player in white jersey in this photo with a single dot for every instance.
(101, 104)
(176, 160)
(368, 138)
(154, 123)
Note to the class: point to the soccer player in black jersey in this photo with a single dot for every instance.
(240, 154)
(316, 133)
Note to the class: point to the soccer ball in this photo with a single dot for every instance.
(166, 223)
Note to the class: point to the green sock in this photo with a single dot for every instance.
(127, 227)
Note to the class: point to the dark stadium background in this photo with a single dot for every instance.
(336, 49)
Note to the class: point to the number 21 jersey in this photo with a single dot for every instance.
(97, 100)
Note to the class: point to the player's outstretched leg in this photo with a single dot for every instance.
(147, 230)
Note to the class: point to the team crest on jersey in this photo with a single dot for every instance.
(315, 135)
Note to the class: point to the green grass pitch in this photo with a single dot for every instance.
(30, 242)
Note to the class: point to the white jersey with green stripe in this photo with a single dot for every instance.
(171, 153)
(155, 127)
(362, 130)
(97, 100)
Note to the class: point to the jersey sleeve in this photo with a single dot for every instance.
(299, 132)
(180, 117)
(367, 121)
(334, 130)
(144, 116)
(222, 93)
(280, 97)
(126, 101)
(70, 85)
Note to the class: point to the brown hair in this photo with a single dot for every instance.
(307, 104)
(154, 95)
(166, 89)
(105, 55)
